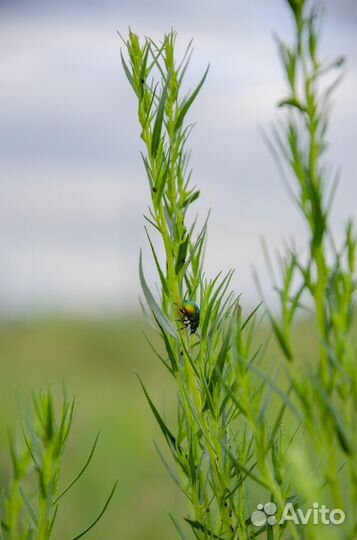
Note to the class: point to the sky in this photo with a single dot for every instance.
(72, 186)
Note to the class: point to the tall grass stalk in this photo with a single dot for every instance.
(223, 442)
(245, 434)
(325, 387)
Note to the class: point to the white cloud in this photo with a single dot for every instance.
(72, 188)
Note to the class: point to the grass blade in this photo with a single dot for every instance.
(177, 527)
(156, 134)
(29, 507)
(82, 471)
(184, 109)
(165, 430)
(153, 305)
(196, 525)
(80, 535)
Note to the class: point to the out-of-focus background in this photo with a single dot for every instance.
(72, 195)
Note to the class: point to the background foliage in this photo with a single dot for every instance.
(97, 359)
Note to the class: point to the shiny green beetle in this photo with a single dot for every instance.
(190, 315)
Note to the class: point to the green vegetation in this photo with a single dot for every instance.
(242, 432)
(97, 360)
(244, 421)
(36, 468)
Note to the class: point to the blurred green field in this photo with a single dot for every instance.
(96, 360)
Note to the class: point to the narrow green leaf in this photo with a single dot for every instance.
(196, 246)
(197, 418)
(188, 356)
(168, 469)
(155, 61)
(196, 525)
(208, 403)
(28, 444)
(251, 315)
(82, 471)
(187, 104)
(275, 458)
(13, 455)
(340, 426)
(50, 416)
(169, 350)
(278, 391)
(191, 198)
(277, 422)
(127, 72)
(158, 267)
(69, 422)
(165, 430)
(142, 75)
(156, 134)
(162, 180)
(52, 521)
(227, 397)
(181, 255)
(240, 467)
(241, 481)
(185, 61)
(100, 515)
(158, 355)
(221, 359)
(177, 527)
(148, 170)
(29, 507)
(259, 531)
(152, 223)
(213, 302)
(158, 313)
(292, 102)
(282, 340)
